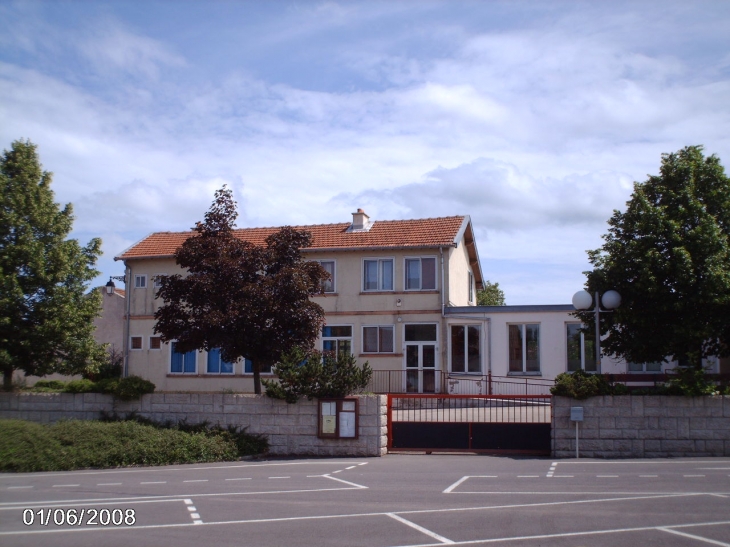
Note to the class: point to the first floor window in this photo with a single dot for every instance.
(466, 348)
(248, 367)
(524, 348)
(135, 342)
(378, 275)
(378, 339)
(471, 288)
(216, 364)
(581, 349)
(140, 281)
(420, 274)
(182, 362)
(337, 339)
(329, 266)
(645, 367)
(155, 342)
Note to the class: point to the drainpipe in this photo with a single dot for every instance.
(128, 294)
(443, 284)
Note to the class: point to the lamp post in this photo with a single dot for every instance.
(110, 286)
(611, 300)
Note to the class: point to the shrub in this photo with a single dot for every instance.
(692, 382)
(80, 386)
(27, 446)
(132, 387)
(581, 385)
(317, 374)
(50, 385)
(111, 368)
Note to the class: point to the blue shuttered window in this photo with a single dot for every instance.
(216, 364)
(182, 362)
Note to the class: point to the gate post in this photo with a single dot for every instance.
(390, 422)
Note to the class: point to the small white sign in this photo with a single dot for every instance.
(347, 424)
(576, 413)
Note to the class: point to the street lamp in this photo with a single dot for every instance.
(582, 300)
(110, 286)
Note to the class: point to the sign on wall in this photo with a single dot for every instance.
(338, 419)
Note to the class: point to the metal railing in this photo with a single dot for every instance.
(422, 408)
(406, 381)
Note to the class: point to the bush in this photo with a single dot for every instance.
(581, 385)
(80, 386)
(131, 387)
(691, 382)
(50, 385)
(111, 368)
(317, 374)
(27, 446)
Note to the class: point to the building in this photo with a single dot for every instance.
(391, 281)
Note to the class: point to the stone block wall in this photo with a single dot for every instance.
(291, 429)
(646, 426)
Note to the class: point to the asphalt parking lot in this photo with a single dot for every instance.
(398, 500)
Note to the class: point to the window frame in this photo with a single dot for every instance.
(379, 282)
(156, 284)
(131, 343)
(523, 333)
(337, 339)
(333, 281)
(471, 287)
(219, 363)
(248, 368)
(183, 372)
(138, 278)
(644, 367)
(582, 349)
(149, 342)
(379, 350)
(420, 273)
(465, 364)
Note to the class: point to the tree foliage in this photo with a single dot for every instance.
(250, 301)
(490, 295)
(316, 375)
(668, 255)
(46, 319)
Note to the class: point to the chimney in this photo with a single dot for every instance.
(360, 221)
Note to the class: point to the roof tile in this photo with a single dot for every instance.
(428, 232)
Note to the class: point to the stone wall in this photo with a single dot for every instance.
(645, 426)
(291, 429)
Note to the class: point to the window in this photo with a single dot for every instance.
(378, 274)
(581, 349)
(182, 363)
(471, 288)
(157, 280)
(466, 348)
(216, 364)
(248, 367)
(329, 266)
(645, 367)
(337, 339)
(155, 342)
(420, 274)
(135, 342)
(378, 339)
(524, 348)
(140, 281)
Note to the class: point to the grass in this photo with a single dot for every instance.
(78, 444)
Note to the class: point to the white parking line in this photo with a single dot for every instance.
(421, 529)
(528, 476)
(692, 536)
(280, 477)
(197, 480)
(154, 482)
(18, 487)
(193, 512)
(240, 479)
(607, 476)
(64, 485)
(351, 467)
(108, 483)
(648, 476)
(690, 476)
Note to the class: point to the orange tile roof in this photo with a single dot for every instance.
(423, 233)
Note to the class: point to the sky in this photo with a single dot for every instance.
(535, 118)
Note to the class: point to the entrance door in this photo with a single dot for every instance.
(421, 367)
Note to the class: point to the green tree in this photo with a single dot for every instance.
(46, 319)
(316, 375)
(668, 256)
(490, 295)
(250, 301)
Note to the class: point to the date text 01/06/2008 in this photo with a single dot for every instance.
(79, 517)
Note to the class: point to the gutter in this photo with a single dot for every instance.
(128, 287)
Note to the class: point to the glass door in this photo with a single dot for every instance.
(421, 367)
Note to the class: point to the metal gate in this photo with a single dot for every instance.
(506, 424)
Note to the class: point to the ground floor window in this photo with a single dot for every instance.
(182, 362)
(248, 367)
(466, 348)
(656, 366)
(581, 349)
(337, 338)
(524, 348)
(216, 364)
(420, 349)
(378, 339)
